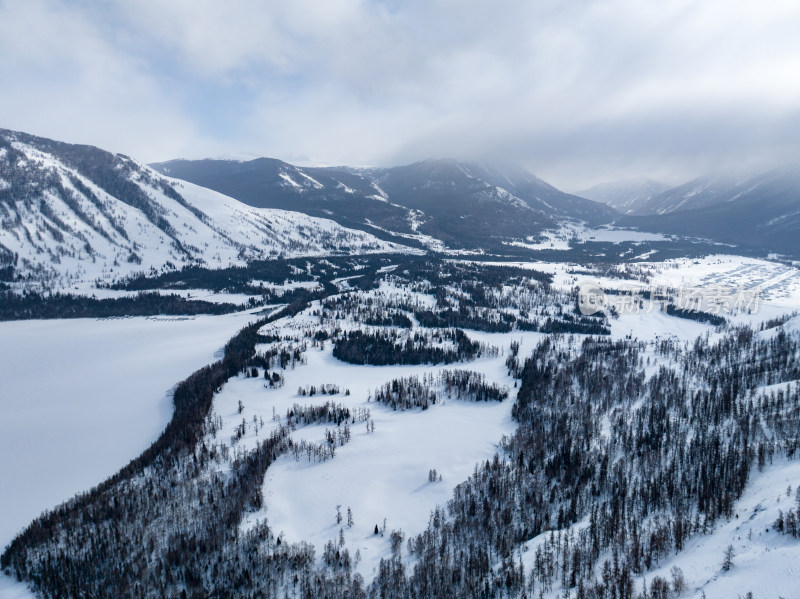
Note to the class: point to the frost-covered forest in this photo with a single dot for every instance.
(433, 428)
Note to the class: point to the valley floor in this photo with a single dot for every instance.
(98, 393)
(81, 398)
(382, 475)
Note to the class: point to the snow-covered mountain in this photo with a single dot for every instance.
(459, 204)
(761, 211)
(344, 195)
(77, 213)
(698, 193)
(642, 197)
(477, 204)
(627, 196)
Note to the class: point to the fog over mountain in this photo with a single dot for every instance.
(627, 195)
(579, 94)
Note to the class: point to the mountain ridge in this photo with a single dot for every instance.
(442, 199)
(78, 213)
(762, 211)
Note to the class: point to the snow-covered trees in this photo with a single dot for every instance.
(388, 347)
(659, 473)
(415, 392)
(643, 444)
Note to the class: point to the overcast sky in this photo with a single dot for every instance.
(577, 91)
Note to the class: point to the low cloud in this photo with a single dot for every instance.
(578, 92)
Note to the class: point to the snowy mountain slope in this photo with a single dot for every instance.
(77, 213)
(762, 211)
(460, 204)
(765, 562)
(476, 204)
(699, 193)
(764, 559)
(627, 195)
(342, 194)
(539, 194)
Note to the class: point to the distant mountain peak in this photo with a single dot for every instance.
(625, 195)
(461, 203)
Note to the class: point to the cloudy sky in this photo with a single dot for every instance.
(578, 91)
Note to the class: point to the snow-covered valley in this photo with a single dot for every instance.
(380, 474)
(387, 467)
(370, 299)
(385, 401)
(81, 398)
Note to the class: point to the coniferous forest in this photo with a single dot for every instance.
(623, 451)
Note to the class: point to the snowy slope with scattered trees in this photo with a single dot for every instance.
(636, 456)
(77, 215)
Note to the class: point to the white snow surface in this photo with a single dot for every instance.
(97, 392)
(11, 589)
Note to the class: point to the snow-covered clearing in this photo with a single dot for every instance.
(657, 325)
(381, 475)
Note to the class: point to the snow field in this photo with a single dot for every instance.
(80, 398)
(381, 475)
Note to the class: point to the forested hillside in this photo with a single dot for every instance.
(621, 452)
